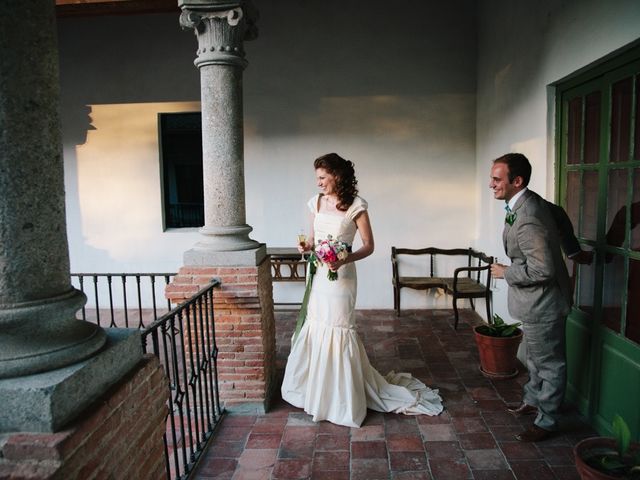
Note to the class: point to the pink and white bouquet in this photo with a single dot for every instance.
(329, 251)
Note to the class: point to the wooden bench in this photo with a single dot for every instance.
(466, 282)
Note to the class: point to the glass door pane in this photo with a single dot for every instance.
(589, 223)
(573, 198)
(592, 128)
(621, 97)
(633, 302)
(636, 148)
(613, 288)
(635, 211)
(617, 208)
(574, 131)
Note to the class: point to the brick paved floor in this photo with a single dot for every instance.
(472, 439)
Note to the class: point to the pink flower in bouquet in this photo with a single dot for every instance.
(329, 251)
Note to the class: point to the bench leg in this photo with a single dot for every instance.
(472, 305)
(396, 300)
(487, 300)
(455, 311)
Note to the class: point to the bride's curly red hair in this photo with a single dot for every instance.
(345, 174)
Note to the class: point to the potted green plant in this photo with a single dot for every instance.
(498, 346)
(606, 458)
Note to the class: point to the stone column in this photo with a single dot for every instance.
(221, 27)
(244, 322)
(38, 329)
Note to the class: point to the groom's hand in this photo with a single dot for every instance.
(497, 270)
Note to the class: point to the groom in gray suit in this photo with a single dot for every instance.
(539, 291)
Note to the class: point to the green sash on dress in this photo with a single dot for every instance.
(302, 316)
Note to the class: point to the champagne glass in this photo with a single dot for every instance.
(302, 241)
(494, 280)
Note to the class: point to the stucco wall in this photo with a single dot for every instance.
(522, 51)
(392, 89)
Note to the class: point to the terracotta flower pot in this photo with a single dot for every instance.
(592, 446)
(498, 355)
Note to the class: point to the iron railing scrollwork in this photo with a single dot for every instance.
(184, 340)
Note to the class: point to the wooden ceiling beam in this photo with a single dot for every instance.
(82, 8)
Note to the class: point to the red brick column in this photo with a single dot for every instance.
(245, 329)
(120, 436)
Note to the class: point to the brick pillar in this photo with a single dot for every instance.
(244, 330)
(119, 436)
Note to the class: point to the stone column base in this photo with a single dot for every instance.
(119, 436)
(245, 330)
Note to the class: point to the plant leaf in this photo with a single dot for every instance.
(509, 331)
(621, 433)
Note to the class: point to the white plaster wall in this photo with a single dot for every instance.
(523, 48)
(391, 89)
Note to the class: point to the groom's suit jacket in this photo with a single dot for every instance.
(539, 285)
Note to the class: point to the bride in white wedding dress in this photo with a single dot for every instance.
(328, 373)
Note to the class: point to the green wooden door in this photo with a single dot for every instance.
(599, 186)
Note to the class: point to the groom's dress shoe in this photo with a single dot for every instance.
(533, 434)
(522, 409)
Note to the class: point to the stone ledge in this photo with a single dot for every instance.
(46, 402)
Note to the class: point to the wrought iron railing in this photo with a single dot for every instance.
(120, 288)
(183, 339)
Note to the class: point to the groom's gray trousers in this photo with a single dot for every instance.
(546, 361)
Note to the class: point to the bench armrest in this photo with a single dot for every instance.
(468, 271)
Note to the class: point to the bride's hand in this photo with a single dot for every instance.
(302, 249)
(334, 266)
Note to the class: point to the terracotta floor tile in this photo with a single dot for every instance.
(446, 469)
(233, 433)
(438, 433)
(369, 468)
(291, 469)
(332, 442)
(297, 434)
(463, 410)
(257, 459)
(505, 433)
(331, 461)
(239, 420)
(217, 467)
(491, 405)
(264, 440)
(474, 441)
(369, 432)
(450, 450)
(407, 461)
(444, 417)
(532, 470)
(222, 449)
(330, 428)
(519, 451)
(243, 473)
(302, 449)
(557, 454)
(500, 418)
(330, 475)
(469, 425)
(370, 449)
(493, 475)
(486, 459)
(423, 475)
(565, 472)
(394, 423)
(399, 442)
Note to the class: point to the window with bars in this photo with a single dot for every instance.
(181, 169)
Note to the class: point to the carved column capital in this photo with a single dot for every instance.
(221, 28)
